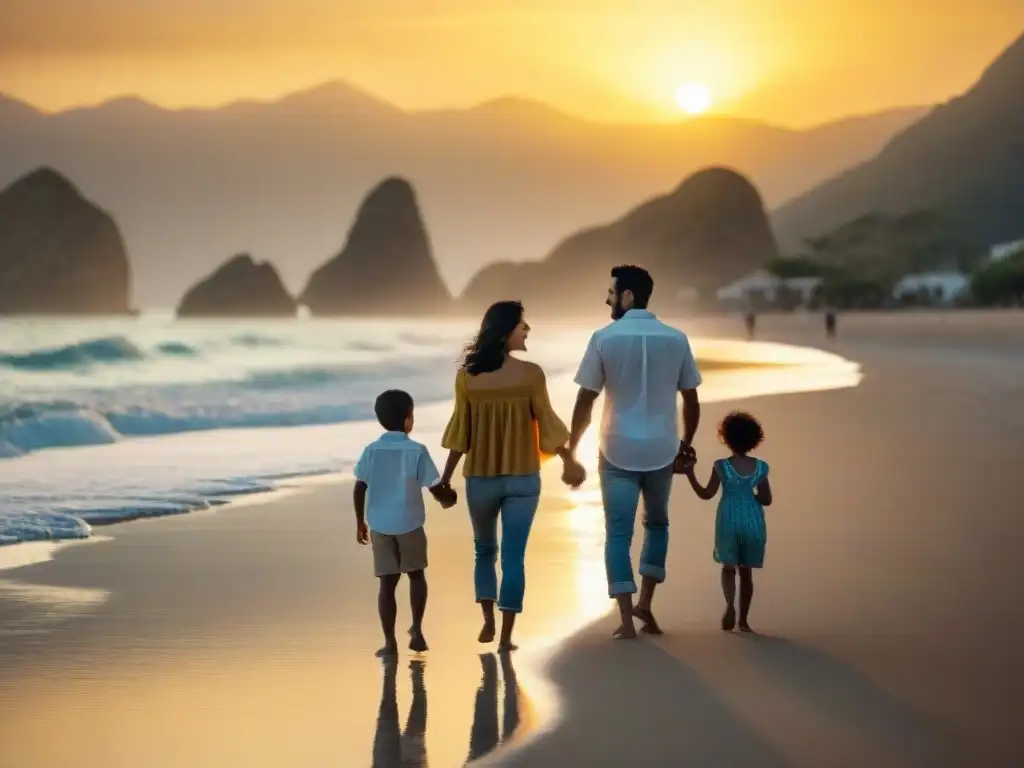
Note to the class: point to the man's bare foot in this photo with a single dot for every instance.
(487, 633)
(625, 632)
(389, 651)
(507, 646)
(729, 619)
(417, 642)
(650, 625)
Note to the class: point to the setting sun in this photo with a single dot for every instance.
(693, 98)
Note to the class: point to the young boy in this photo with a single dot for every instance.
(388, 497)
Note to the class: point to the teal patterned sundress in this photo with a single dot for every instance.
(740, 532)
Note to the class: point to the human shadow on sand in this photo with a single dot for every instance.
(839, 692)
(394, 747)
(630, 703)
(485, 736)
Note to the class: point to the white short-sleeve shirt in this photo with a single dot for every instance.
(641, 364)
(396, 469)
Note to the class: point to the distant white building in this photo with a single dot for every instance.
(943, 287)
(763, 288)
(1004, 250)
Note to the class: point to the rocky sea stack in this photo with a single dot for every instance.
(386, 266)
(241, 287)
(709, 231)
(59, 253)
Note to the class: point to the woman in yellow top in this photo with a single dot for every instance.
(503, 423)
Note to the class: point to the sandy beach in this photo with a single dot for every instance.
(888, 618)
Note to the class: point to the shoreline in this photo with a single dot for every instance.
(729, 363)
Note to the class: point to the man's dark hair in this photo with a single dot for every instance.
(635, 279)
(393, 407)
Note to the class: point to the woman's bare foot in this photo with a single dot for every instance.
(625, 632)
(650, 625)
(729, 619)
(487, 633)
(417, 642)
(389, 651)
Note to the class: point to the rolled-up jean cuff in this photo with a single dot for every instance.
(622, 588)
(656, 573)
(486, 599)
(518, 609)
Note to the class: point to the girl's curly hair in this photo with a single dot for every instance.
(741, 432)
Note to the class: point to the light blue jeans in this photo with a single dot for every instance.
(514, 498)
(621, 490)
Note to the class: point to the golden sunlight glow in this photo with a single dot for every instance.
(693, 98)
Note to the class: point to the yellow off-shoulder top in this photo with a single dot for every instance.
(505, 430)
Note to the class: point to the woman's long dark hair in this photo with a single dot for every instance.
(487, 352)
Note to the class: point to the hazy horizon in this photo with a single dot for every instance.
(605, 61)
(500, 98)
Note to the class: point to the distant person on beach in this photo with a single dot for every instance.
(502, 424)
(830, 323)
(740, 531)
(390, 475)
(750, 320)
(641, 364)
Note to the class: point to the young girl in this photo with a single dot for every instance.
(740, 533)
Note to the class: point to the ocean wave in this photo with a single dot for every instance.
(110, 349)
(177, 349)
(118, 350)
(314, 395)
(255, 340)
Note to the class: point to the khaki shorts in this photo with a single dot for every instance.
(403, 553)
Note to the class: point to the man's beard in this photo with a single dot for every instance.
(617, 309)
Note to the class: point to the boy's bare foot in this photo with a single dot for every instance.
(625, 632)
(417, 642)
(507, 646)
(729, 619)
(487, 633)
(650, 625)
(744, 627)
(389, 651)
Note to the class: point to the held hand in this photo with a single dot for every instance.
(449, 498)
(362, 533)
(445, 495)
(685, 459)
(573, 473)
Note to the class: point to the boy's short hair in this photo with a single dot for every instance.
(741, 432)
(393, 407)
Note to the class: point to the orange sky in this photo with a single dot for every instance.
(792, 62)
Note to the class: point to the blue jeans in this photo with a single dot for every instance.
(621, 490)
(515, 499)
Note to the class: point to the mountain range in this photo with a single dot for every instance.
(963, 160)
(502, 181)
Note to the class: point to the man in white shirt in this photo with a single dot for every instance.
(641, 364)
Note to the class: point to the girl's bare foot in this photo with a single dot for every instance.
(625, 632)
(487, 633)
(389, 651)
(417, 642)
(650, 625)
(729, 619)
